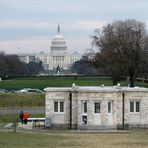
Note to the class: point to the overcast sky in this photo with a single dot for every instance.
(28, 26)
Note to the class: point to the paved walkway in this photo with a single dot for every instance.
(9, 125)
(28, 126)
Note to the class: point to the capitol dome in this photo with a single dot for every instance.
(58, 44)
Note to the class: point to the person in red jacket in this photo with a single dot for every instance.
(25, 117)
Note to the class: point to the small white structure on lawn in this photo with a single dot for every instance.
(99, 107)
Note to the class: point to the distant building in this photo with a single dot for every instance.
(89, 54)
(102, 107)
(58, 56)
(27, 58)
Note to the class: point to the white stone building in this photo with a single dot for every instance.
(58, 56)
(97, 107)
(27, 58)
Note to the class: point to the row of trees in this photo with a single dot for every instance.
(84, 67)
(10, 65)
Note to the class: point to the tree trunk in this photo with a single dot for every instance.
(131, 81)
(115, 80)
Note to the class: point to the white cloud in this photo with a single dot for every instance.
(56, 6)
(25, 46)
(35, 45)
(126, 5)
(78, 44)
(26, 24)
(92, 24)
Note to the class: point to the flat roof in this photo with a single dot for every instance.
(60, 89)
(96, 89)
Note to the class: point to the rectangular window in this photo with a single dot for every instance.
(97, 107)
(85, 107)
(58, 106)
(55, 106)
(135, 106)
(131, 106)
(61, 106)
(109, 107)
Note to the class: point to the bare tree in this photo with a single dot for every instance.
(143, 71)
(122, 43)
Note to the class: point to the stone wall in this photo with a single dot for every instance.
(58, 118)
(136, 118)
(103, 119)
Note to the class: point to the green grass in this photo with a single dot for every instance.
(70, 140)
(16, 84)
(21, 100)
(7, 118)
(43, 82)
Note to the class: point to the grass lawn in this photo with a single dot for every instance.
(21, 100)
(76, 140)
(43, 82)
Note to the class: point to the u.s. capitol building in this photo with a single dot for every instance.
(58, 56)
